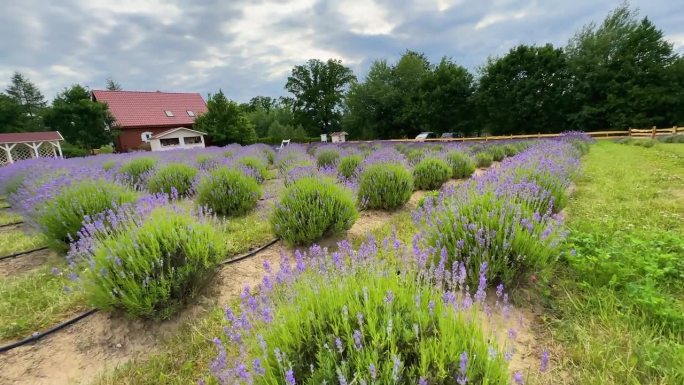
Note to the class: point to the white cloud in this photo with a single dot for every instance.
(677, 41)
(494, 18)
(365, 17)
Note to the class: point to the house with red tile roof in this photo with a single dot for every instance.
(140, 116)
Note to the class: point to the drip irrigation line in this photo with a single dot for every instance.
(11, 224)
(250, 253)
(22, 253)
(38, 335)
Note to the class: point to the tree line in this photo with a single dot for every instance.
(614, 75)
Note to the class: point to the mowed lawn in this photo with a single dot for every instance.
(617, 311)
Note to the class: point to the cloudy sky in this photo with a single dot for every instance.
(248, 48)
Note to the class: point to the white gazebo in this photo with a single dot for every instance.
(17, 146)
(177, 138)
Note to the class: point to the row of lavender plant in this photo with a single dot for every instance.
(387, 313)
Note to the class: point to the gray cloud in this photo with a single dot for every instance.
(248, 47)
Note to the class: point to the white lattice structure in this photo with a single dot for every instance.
(25, 145)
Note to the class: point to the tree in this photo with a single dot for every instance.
(30, 100)
(318, 88)
(263, 111)
(411, 96)
(525, 91)
(11, 117)
(619, 73)
(80, 120)
(446, 98)
(112, 85)
(225, 121)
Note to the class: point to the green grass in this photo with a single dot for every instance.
(7, 216)
(14, 241)
(35, 301)
(246, 232)
(617, 307)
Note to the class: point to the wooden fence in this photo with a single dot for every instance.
(632, 132)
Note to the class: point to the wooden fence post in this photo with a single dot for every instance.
(653, 132)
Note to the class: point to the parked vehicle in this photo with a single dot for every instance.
(425, 135)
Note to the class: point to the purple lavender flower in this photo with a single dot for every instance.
(290, 378)
(462, 378)
(372, 371)
(544, 365)
(518, 378)
(358, 339)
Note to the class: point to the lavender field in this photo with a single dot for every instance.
(359, 263)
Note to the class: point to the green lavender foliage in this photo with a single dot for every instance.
(382, 321)
(327, 157)
(257, 165)
(134, 170)
(385, 186)
(462, 166)
(151, 270)
(228, 192)
(312, 207)
(62, 216)
(431, 173)
(178, 176)
(348, 165)
(483, 159)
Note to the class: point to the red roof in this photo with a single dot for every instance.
(27, 137)
(141, 109)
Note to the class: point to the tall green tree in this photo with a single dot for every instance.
(619, 72)
(525, 91)
(81, 121)
(31, 102)
(112, 85)
(447, 98)
(318, 88)
(411, 96)
(11, 117)
(225, 121)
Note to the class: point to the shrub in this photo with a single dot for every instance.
(228, 192)
(385, 186)
(648, 143)
(151, 269)
(510, 150)
(431, 173)
(482, 227)
(414, 155)
(348, 165)
(61, 217)
(136, 170)
(461, 165)
(363, 327)
(498, 153)
(109, 164)
(269, 154)
(72, 151)
(256, 165)
(13, 184)
(312, 207)
(483, 159)
(108, 149)
(431, 197)
(206, 161)
(176, 176)
(327, 158)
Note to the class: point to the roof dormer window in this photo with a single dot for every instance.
(190, 113)
(168, 113)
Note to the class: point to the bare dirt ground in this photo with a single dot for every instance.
(27, 263)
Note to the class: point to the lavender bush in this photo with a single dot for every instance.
(61, 217)
(257, 166)
(228, 192)
(312, 207)
(149, 267)
(431, 173)
(172, 177)
(136, 171)
(348, 165)
(385, 186)
(461, 164)
(327, 157)
(483, 159)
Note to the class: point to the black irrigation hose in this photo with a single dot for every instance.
(11, 224)
(249, 253)
(22, 253)
(38, 335)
